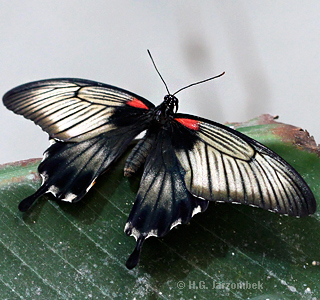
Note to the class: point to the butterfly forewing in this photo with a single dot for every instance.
(72, 109)
(90, 124)
(225, 165)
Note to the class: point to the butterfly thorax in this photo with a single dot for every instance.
(160, 120)
(166, 109)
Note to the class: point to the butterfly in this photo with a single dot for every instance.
(188, 161)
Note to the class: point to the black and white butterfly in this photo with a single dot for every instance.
(188, 161)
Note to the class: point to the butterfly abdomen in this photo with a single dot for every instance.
(137, 156)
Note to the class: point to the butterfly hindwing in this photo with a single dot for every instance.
(73, 109)
(162, 201)
(69, 169)
(227, 166)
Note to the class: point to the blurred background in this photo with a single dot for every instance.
(270, 51)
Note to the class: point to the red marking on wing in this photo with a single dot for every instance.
(191, 124)
(137, 103)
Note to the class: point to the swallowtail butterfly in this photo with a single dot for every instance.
(188, 161)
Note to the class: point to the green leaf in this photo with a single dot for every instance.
(78, 251)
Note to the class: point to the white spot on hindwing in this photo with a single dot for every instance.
(69, 197)
(196, 210)
(176, 223)
(91, 184)
(52, 142)
(46, 153)
(153, 232)
(44, 177)
(53, 190)
(136, 233)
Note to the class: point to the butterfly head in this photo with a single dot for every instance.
(166, 109)
(171, 103)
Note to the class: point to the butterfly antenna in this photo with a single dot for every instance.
(158, 72)
(198, 82)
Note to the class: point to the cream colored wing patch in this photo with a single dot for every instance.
(224, 167)
(68, 109)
